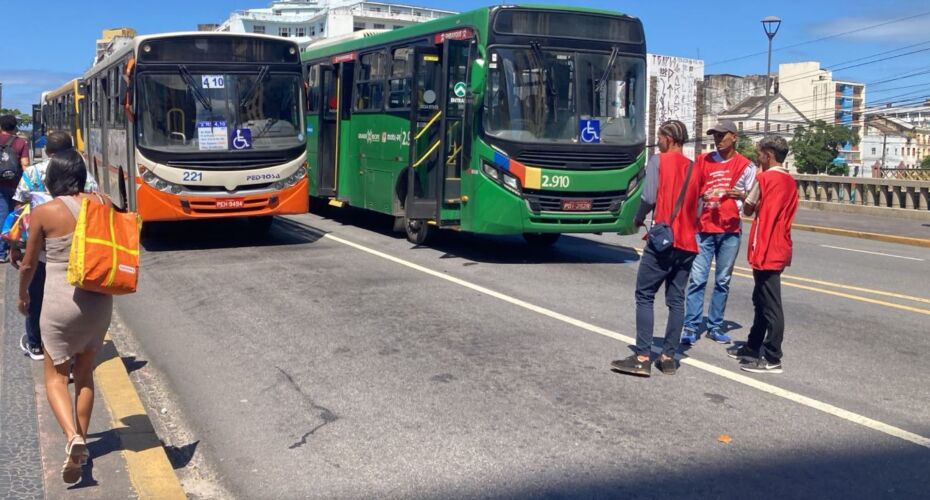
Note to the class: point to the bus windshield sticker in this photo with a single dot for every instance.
(459, 89)
(212, 136)
(213, 82)
(242, 139)
(589, 131)
(431, 58)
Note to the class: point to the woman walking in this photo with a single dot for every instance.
(73, 321)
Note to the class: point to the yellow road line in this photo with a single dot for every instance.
(847, 296)
(150, 472)
(865, 235)
(774, 390)
(845, 287)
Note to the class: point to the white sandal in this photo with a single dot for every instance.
(77, 452)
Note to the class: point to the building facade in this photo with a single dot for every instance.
(311, 20)
(675, 89)
(784, 119)
(896, 138)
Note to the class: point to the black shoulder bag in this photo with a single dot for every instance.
(660, 235)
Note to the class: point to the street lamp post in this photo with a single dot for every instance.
(770, 24)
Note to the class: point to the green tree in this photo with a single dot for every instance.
(24, 119)
(926, 162)
(746, 147)
(815, 147)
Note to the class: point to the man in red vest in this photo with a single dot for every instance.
(728, 177)
(774, 201)
(671, 189)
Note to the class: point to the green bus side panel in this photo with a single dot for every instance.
(313, 155)
(374, 152)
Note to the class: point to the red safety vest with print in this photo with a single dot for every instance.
(770, 237)
(721, 213)
(672, 170)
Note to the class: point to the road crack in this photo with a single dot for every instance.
(325, 414)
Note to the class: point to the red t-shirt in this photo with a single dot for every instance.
(672, 170)
(20, 150)
(721, 215)
(770, 237)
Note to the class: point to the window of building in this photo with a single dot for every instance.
(369, 87)
(358, 27)
(778, 127)
(779, 109)
(300, 31)
(378, 26)
(873, 151)
(741, 125)
(284, 31)
(313, 30)
(787, 128)
(757, 126)
(258, 28)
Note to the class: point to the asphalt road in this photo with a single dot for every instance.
(308, 367)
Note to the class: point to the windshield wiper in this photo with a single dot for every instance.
(189, 80)
(599, 85)
(262, 73)
(540, 61)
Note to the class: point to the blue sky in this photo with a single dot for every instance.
(59, 42)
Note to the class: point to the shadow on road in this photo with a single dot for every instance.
(488, 249)
(223, 233)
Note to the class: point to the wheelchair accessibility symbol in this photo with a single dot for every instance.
(589, 131)
(242, 139)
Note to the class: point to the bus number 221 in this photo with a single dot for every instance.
(555, 181)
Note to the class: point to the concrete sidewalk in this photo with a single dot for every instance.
(864, 223)
(32, 444)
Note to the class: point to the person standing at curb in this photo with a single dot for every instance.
(31, 189)
(671, 189)
(74, 321)
(773, 201)
(14, 158)
(728, 176)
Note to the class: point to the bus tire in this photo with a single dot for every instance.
(259, 226)
(418, 231)
(541, 239)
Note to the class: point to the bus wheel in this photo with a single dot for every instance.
(259, 226)
(400, 224)
(541, 239)
(417, 231)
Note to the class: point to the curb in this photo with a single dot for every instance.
(865, 235)
(150, 471)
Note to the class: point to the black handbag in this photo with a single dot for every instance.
(660, 236)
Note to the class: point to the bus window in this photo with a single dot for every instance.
(313, 89)
(369, 87)
(401, 75)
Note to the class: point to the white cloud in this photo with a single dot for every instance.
(22, 88)
(910, 30)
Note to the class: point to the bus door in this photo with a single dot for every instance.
(424, 186)
(456, 63)
(329, 131)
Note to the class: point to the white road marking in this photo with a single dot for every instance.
(701, 365)
(872, 253)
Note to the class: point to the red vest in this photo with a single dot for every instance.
(721, 215)
(770, 236)
(672, 170)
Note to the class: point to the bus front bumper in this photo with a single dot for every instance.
(155, 205)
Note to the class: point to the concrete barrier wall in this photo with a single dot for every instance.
(872, 196)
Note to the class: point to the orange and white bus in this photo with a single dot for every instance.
(199, 125)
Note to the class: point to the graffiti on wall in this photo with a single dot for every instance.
(675, 89)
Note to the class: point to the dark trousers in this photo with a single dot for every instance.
(768, 325)
(670, 268)
(36, 294)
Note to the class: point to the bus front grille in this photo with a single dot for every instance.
(575, 159)
(551, 201)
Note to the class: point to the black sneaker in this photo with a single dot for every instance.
(633, 366)
(742, 352)
(667, 366)
(761, 365)
(34, 352)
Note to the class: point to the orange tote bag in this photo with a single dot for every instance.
(104, 254)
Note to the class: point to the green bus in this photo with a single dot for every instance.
(502, 120)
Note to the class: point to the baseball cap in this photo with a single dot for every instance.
(723, 126)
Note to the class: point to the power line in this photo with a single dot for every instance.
(828, 37)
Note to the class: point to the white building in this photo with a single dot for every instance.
(784, 119)
(309, 20)
(675, 92)
(896, 137)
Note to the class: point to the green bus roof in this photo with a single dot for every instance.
(477, 18)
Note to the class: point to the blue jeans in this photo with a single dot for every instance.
(670, 268)
(36, 294)
(6, 206)
(723, 247)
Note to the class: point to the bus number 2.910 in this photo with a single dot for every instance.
(555, 181)
(190, 176)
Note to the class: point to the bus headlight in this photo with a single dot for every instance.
(511, 183)
(491, 172)
(503, 178)
(634, 182)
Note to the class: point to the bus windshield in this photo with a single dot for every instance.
(187, 111)
(537, 95)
